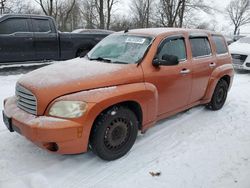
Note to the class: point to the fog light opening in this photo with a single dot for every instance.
(51, 146)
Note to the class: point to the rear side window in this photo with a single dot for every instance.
(14, 25)
(173, 46)
(200, 47)
(41, 25)
(220, 44)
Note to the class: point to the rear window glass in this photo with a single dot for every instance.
(41, 25)
(14, 25)
(200, 46)
(220, 44)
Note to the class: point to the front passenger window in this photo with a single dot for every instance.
(14, 25)
(173, 46)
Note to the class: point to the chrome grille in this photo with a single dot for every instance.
(239, 59)
(26, 100)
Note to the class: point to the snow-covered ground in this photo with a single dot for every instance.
(195, 149)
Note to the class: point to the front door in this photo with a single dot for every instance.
(173, 83)
(16, 41)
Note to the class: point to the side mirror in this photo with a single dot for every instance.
(167, 60)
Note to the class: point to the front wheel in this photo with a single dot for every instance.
(219, 96)
(114, 133)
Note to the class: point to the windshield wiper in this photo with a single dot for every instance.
(119, 62)
(100, 59)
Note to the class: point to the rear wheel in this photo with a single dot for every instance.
(114, 133)
(219, 96)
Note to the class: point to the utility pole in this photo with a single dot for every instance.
(2, 6)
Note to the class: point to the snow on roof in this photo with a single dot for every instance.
(162, 30)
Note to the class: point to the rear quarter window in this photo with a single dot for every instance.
(200, 47)
(220, 44)
(41, 25)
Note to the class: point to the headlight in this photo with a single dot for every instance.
(68, 109)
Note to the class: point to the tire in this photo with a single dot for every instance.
(114, 133)
(219, 96)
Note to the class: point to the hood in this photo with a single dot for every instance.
(239, 48)
(62, 78)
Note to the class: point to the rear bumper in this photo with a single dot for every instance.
(66, 135)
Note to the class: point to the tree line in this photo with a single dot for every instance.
(109, 14)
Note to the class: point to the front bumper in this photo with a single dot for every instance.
(244, 65)
(45, 131)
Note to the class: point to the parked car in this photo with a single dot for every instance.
(36, 38)
(240, 52)
(126, 83)
(237, 37)
(229, 40)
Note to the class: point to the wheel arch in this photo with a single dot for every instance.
(224, 72)
(134, 106)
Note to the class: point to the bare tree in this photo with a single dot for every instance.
(169, 11)
(142, 11)
(104, 10)
(172, 12)
(61, 10)
(239, 13)
(20, 7)
(2, 6)
(89, 14)
(110, 4)
(99, 5)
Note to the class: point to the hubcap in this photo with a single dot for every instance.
(117, 134)
(220, 96)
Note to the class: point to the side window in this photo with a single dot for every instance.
(173, 46)
(220, 44)
(200, 46)
(41, 25)
(14, 25)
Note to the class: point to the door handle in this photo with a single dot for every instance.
(212, 64)
(185, 71)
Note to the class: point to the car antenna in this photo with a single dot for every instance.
(126, 30)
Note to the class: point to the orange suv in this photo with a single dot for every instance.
(129, 81)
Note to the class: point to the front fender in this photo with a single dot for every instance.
(145, 94)
(217, 74)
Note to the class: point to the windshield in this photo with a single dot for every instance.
(244, 40)
(121, 48)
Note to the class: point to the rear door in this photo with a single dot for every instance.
(16, 40)
(204, 62)
(46, 40)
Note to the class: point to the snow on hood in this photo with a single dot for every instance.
(239, 48)
(80, 74)
(71, 71)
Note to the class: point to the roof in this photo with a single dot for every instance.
(164, 30)
(23, 16)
